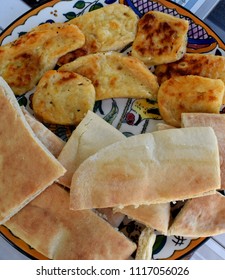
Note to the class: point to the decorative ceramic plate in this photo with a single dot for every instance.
(126, 115)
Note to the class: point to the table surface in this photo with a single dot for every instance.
(214, 248)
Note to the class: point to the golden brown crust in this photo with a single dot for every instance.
(115, 75)
(110, 28)
(160, 38)
(161, 165)
(51, 228)
(217, 122)
(201, 216)
(27, 167)
(25, 60)
(205, 65)
(186, 94)
(63, 97)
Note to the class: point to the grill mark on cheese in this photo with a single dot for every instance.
(23, 61)
(115, 75)
(189, 94)
(26, 63)
(206, 65)
(160, 38)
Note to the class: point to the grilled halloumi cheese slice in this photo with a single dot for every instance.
(160, 38)
(115, 75)
(205, 65)
(63, 98)
(188, 94)
(110, 28)
(25, 60)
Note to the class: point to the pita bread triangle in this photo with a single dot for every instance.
(85, 142)
(158, 167)
(52, 142)
(155, 216)
(47, 224)
(200, 216)
(27, 167)
(217, 122)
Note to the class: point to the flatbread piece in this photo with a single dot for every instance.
(155, 216)
(158, 167)
(52, 142)
(27, 167)
(51, 228)
(201, 216)
(217, 122)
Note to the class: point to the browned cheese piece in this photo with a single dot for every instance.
(160, 38)
(186, 94)
(63, 98)
(205, 65)
(25, 60)
(115, 75)
(110, 28)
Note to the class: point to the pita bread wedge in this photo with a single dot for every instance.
(155, 216)
(25, 60)
(217, 122)
(158, 167)
(205, 65)
(27, 167)
(92, 134)
(52, 142)
(189, 94)
(110, 28)
(160, 38)
(115, 75)
(201, 217)
(48, 225)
